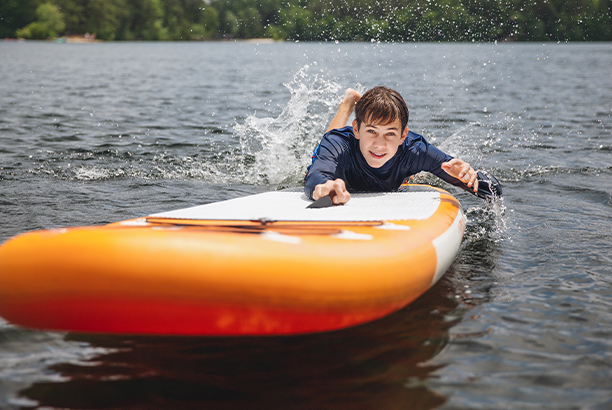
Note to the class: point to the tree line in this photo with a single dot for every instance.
(311, 20)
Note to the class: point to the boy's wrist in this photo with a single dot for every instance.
(347, 107)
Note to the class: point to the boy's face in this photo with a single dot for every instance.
(379, 143)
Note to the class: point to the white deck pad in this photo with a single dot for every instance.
(291, 206)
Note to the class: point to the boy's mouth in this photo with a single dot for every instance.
(377, 155)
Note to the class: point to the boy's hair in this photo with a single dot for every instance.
(381, 105)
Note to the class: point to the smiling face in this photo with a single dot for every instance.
(379, 143)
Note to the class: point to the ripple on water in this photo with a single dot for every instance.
(521, 319)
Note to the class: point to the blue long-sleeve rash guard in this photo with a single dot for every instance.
(338, 156)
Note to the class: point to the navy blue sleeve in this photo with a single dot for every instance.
(422, 156)
(429, 158)
(324, 164)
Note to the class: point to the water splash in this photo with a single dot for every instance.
(261, 150)
(278, 150)
(479, 144)
(487, 221)
(456, 144)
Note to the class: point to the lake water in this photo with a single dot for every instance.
(97, 133)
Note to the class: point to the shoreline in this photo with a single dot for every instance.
(85, 40)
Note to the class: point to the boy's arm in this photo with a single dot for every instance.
(345, 109)
(480, 183)
(321, 173)
(455, 171)
(321, 178)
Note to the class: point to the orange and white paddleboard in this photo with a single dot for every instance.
(257, 265)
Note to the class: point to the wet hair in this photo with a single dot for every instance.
(381, 105)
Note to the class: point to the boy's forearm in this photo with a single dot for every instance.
(342, 115)
(345, 109)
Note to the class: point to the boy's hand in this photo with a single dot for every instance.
(462, 171)
(350, 99)
(335, 189)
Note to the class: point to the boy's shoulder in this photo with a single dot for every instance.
(341, 138)
(413, 136)
(414, 141)
(342, 132)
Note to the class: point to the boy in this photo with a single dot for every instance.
(379, 152)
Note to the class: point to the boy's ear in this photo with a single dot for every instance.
(404, 135)
(356, 129)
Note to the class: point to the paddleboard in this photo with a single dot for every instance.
(258, 265)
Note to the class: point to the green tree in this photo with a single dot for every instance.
(209, 19)
(403, 25)
(50, 22)
(249, 23)
(318, 20)
(231, 24)
(15, 14)
(268, 10)
(104, 18)
(297, 23)
(599, 27)
(205, 25)
(75, 16)
(145, 21)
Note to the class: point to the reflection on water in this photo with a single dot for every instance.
(380, 365)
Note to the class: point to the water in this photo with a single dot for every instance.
(97, 133)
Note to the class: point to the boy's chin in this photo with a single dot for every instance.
(377, 163)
